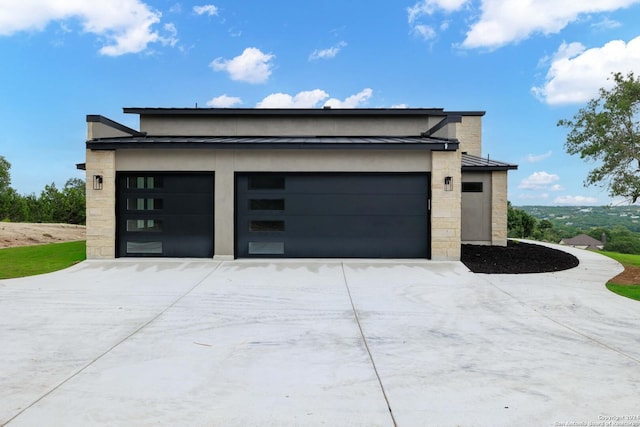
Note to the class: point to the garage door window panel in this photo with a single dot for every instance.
(266, 182)
(266, 204)
(144, 204)
(144, 248)
(266, 248)
(144, 225)
(144, 182)
(266, 226)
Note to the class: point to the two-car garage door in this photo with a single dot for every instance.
(303, 215)
(345, 215)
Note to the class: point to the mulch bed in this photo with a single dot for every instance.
(516, 258)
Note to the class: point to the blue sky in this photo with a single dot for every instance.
(526, 63)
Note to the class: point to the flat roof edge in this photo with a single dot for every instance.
(298, 112)
(489, 168)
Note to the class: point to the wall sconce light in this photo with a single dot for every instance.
(448, 183)
(97, 182)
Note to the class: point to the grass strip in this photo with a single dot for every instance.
(629, 291)
(628, 261)
(624, 259)
(39, 259)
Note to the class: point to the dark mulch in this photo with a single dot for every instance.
(516, 258)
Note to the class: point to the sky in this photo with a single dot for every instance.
(527, 63)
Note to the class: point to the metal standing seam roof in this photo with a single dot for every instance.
(264, 142)
(472, 163)
(297, 112)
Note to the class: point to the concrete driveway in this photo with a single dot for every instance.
(317, 342)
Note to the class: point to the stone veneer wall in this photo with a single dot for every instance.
(101, 205)
(499, 208)
(445, 207)
(469, 133)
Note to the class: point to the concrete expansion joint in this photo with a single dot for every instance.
(366, 345)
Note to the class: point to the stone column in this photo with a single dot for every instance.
(499, 208)
(446, 206)
(101, 205)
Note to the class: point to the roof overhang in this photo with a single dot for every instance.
(276, 142)
(479, 164)
(95, 118)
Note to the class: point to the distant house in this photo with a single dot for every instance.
(582, 241)
(295, 183)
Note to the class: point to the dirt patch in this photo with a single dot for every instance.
(630, 276)
(14, 234)
(516, 258)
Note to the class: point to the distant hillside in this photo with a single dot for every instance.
(586, 217)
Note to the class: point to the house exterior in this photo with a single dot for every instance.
(584, 241)
(346, 183)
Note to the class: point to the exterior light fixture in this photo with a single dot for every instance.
(448, 183)
(97, 182)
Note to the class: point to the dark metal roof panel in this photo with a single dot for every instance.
(475, 163)
(262, 142)
(298, 112)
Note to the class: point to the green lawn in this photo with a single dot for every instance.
(629, 291)
(40, 259)
(624, 259)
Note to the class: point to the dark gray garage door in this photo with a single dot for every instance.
(344, 215)
(165, 215)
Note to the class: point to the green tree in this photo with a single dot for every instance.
(74, 202)
(50, 204)
(53, 205)
(519, 223)
(5, 176)
(13, 207)
(607, 131)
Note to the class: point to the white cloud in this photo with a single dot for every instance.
(575, 200)
(502, 22)
(224, 101)
(606, 24)
(126, 26)
(399, 106)
(351, 102)
(530, 196)
(537, 158)
(429, 7)
(207, 9)
(576, 73)
(305, 99)
(252, 66)
(327, 53)
(425, 31)
(538, 181)
(312, 99)
(172, 37)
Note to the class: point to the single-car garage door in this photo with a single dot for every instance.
(343, 215)
(165, 214)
